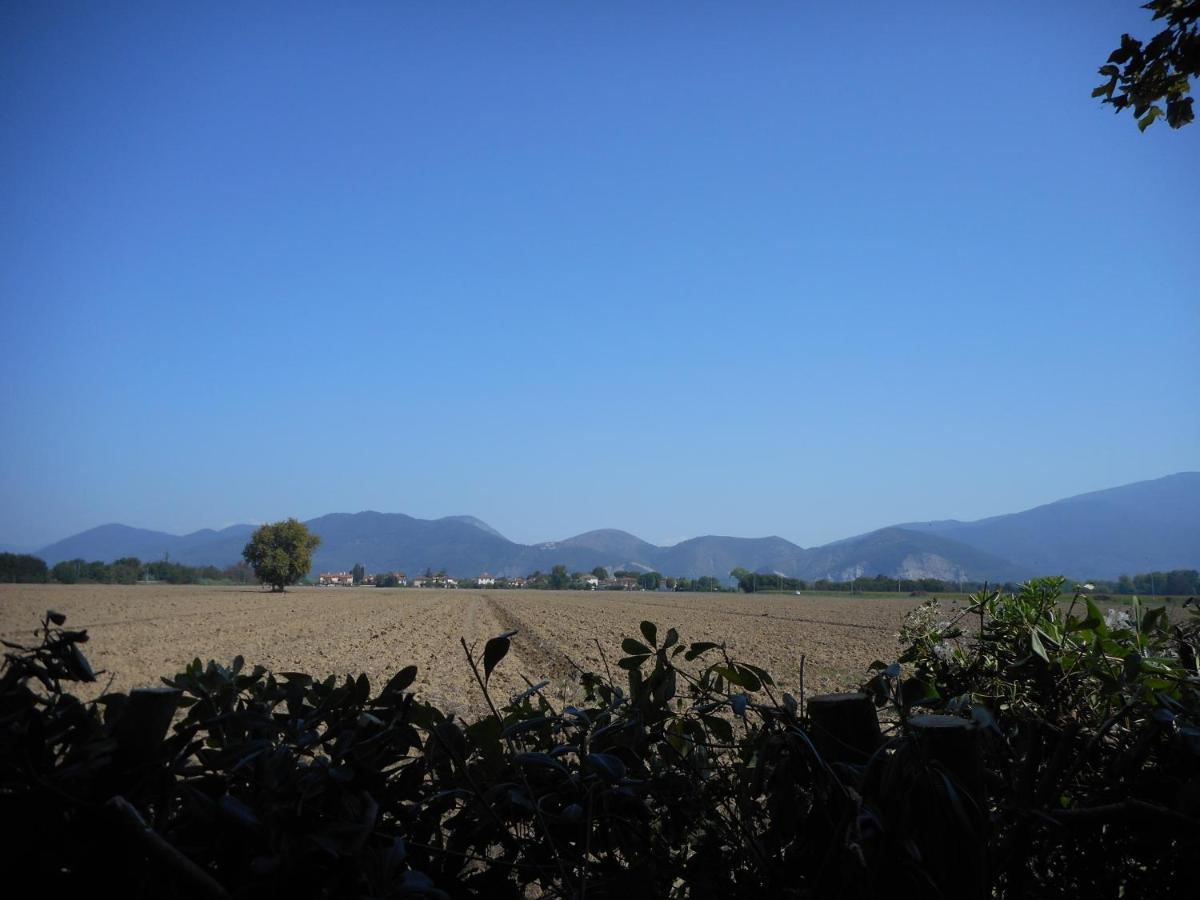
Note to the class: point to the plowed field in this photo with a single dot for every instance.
(141, 632)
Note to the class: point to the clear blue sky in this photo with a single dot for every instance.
(681, 268)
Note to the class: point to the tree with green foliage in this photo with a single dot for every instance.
(67, 571)
(600, 572)
(650, 580)
(21, 567)
(281, 552)
(126, 570)
(358, 573)
(1153, 79)
(559, 578)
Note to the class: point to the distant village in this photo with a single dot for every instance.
(596, 580)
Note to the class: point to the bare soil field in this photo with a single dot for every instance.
(141, 632)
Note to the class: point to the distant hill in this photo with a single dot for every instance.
(1150, 525)
(109, 542)
(905, 553)
(388, 542)
(1143, 527)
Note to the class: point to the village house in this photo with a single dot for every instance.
(485, 580)
(342, 579)
(591, 581)
(624, 583)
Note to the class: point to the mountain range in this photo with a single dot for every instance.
(1141, 527)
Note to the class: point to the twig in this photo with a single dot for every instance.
(1123, 812)
(201, 883)
(802, 658)
(603, 659)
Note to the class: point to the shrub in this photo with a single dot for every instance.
(683, 771)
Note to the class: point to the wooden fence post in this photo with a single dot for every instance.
(956, 854)
(954, 744)
(144, 722)
(844, 727)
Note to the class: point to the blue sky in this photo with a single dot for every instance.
(773, 268)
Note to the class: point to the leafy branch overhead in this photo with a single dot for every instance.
(1154, 79)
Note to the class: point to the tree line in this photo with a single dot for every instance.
(1176, 583)
(23, 568)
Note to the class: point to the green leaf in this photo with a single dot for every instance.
(1036, 642)
(719, 728)
(1153, 617)
(540, 760)
(1133, 665)
(1148, 119)
(401, 680)
(914, 691)
(606, 765)
(635, 648)
(494, 651)
(730, 675)
(698, 648)
(485, 734)
(749, 679)
(763, 675)
(650, 632)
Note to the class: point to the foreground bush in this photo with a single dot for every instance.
(1062, 760)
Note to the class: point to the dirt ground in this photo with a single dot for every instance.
(141, 632)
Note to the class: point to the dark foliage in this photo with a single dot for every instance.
(680, 772)
(1153, 78)
(129, 570)
(23, 568)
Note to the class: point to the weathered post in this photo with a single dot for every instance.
(844, 727)
(954, 847)
(954, 744)
(144, 722)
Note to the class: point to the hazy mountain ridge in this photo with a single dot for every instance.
(1141, 527)
(1150, 525)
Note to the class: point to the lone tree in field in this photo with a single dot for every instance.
(281, 553)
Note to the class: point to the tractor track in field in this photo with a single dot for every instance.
(531, 645)
(142, 632)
